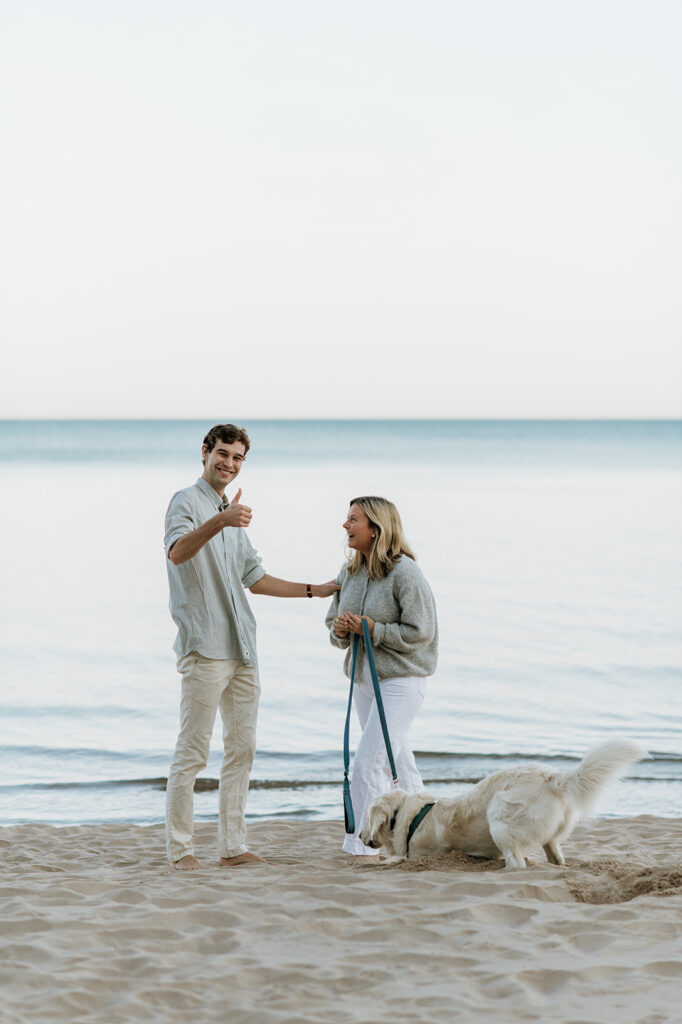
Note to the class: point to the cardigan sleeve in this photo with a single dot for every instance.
(341, 642)
(417, 625)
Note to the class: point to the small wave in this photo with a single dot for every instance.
(203, 785)
(19, 750)
(207, 785)
(158, 783)
(660, 757)
(311, 757)
(73, 711)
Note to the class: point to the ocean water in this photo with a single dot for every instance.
(554, 550)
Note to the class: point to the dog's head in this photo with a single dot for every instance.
(381, 818)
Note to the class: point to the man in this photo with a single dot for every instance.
(210, 563)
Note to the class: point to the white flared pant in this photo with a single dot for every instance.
(209, 684)
(402, 698)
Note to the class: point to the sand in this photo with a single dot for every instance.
(96, 927)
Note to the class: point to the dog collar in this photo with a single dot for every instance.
(414, 825)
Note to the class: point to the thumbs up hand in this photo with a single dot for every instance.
(236, 514)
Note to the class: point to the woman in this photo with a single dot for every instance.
(382, 584)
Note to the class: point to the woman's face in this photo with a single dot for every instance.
(360, 531)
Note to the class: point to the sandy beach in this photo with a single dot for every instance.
(96, 927)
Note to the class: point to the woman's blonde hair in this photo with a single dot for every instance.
(389, 544)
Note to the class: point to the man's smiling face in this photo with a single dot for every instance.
(222, 464)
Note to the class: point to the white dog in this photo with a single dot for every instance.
(506, 814)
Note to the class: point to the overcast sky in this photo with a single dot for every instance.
(232, 210)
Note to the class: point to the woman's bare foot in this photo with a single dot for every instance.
(187, 863)
(241, 858)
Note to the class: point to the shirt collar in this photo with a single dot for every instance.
(214, 497)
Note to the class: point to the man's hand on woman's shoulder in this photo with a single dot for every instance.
(324, 589)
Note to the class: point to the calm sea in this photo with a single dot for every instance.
(554, 550)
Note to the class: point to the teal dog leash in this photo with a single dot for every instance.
(347, 803)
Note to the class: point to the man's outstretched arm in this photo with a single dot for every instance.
(273, 587)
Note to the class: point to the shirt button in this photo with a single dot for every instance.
(246, 654)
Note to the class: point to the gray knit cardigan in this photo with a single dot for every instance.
(405, 636)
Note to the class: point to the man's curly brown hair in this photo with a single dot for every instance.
(228, 433)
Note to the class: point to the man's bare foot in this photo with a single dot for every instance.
(241, 858)
(187, 863)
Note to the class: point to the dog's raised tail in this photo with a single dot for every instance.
(601, 765)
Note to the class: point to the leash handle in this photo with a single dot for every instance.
(369, 651)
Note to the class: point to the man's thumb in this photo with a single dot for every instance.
(235, 500)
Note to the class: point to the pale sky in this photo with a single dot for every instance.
(234, 210)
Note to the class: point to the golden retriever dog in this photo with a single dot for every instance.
(505, 815)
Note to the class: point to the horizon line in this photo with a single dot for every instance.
(344, 419)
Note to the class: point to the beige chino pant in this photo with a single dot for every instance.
(209, 684)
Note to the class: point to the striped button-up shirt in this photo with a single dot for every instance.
(207, 599)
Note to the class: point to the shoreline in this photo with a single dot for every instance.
(97, 927)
